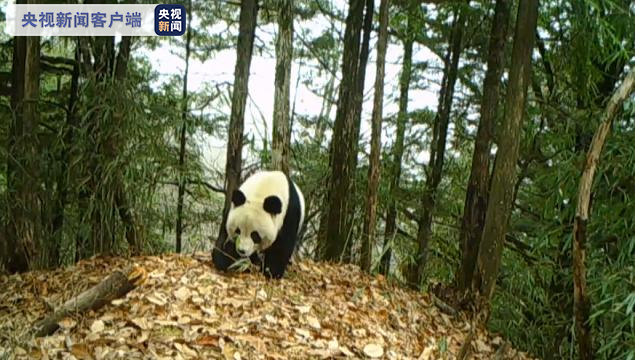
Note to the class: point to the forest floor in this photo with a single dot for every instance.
(187, 310)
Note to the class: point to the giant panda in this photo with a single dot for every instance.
(265, 218)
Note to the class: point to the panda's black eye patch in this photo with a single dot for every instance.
(273, 205)
(256, 237)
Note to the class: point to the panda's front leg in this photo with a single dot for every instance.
(225, 256)
(276, 262)
(273, 269)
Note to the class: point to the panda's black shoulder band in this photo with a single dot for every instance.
(238, 198)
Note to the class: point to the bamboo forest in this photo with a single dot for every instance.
(321, 179)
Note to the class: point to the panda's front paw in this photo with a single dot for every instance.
(273, 273)
(223, 258)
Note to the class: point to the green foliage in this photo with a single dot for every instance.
(534, 303)
(583, 47)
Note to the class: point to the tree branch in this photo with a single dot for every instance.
(581, 300)
(197, 182)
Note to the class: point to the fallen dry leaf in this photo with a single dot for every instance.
(207, 340)
(373, 351)
(346, 351)
(97, 326)
(230, 353)
(303, 333)
(187, 310)
(67, 323)
(143, 337)
(426, 354)
(481, 346)
(118, 302)
(157, 299)
(333, 344)
(182, 293)
(185, 350)
(142, 323)
(313, 322)
(80, 351)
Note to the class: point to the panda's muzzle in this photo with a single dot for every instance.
(245, 247)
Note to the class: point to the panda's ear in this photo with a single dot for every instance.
(273, 205)
(238, 198)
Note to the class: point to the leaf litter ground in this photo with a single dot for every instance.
(187, 310)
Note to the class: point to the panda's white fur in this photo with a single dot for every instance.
(251, 215)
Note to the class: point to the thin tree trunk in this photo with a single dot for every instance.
(340, 176)
(233, 166)
(15, 257)
(23, 220)
(504, 173)
(357, 106)
(320, 130)
(84, 245)
(281, 138)
(477, 187)
(327, 104)
(100, 221)
(375, 149)
(122, 203)
(581, 301)
(183, 139)
(437, 155)
(64, 174)
(295, 100)
(325, 111)
(321, 127)
(394, 169)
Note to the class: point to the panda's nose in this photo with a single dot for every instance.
(241, 252)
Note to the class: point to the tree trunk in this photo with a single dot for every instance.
(320, 129)
(325, 110)
(103, 52)
(86, 245)
(336, 232)
(109, 199)
(358, 100)
(437, 153)
(23, 229)
(375, 150)
(281, 139)
(122, 204)
(183, 139)
(394, 169)
(64, 174)
(233, 165)
(581, 301)
(504, 172)
(477, 186)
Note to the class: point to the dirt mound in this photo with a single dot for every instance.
(187, 310)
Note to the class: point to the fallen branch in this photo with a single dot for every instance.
(115, 286)
(501, 353)
(443, 306)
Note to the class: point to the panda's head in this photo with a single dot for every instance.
(253, 223)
